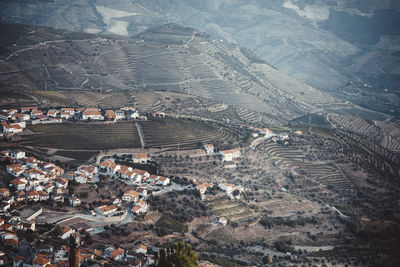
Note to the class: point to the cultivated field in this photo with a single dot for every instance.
(320, 171)
(233, 210)
(97, 99)
(14, 99)
(53, 98)
(168, 133)
(146, 100)
(385, 133)
(84, 136)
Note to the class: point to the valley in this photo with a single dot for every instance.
(174, 135)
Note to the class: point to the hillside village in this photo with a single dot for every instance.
(51, 187)
(43, 182)
(36, 181)
(14, 120)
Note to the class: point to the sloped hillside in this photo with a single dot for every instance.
(170, 57)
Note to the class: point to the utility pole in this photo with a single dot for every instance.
(74, 251)
(101, 87)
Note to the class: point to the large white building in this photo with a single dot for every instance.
(229, 155)
(92, 114)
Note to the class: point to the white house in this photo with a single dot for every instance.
(130, 175)
(228, 188)
(89, 170)
(65, 115)
(229, 155)
(136, 210)
(119, 115)
(33, 195)
(203, 188)
(17, 154)
(141, 158)
(223, 221)
(61, 182)
(70, 111)
(92, 114)
(8, 235)
(11, 128)
(142, 191)
(132, 114)
(52, 113)
(19, 183)
(43, 195)
(140, 174)
(66, 232)
(74, 201)
(82, 179)
(106, 210)
(31, 162)
(17, 171)
(130, 196)
(209, 148)
(21, 117)
(163, 181)
(142, 249)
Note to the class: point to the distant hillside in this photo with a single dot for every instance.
(348, 47)
(170, 58)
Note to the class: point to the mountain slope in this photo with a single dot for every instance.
(326, 44)
(170, 57)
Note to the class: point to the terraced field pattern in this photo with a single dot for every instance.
(163, 133)
(168, 58)
(321, 172)
(233, 210)
(84, 136)
(169, 133)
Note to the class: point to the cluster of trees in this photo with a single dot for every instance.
(178, 254)
(284, 245)
(269, 222)
(182, 206)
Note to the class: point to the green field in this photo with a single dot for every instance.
(84, 136)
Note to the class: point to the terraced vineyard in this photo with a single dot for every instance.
(84, 136)
(146, 100)
(53, 98)
(385, 134)
(321, 172)
(168, 133)
(251, 116)
(104, 100)
(372, 154)
(168, 58)
(391, 139)
(233, 210)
